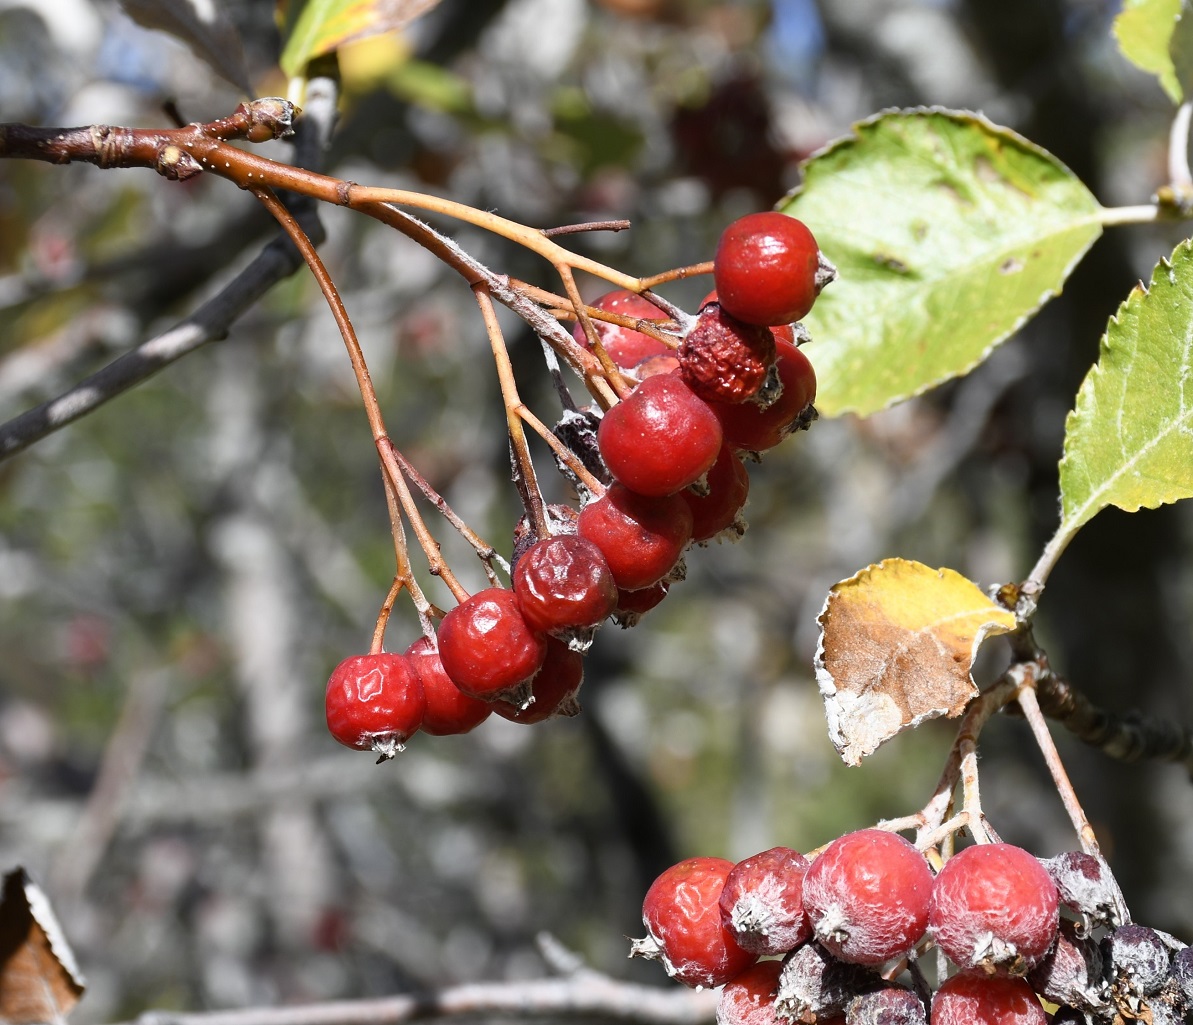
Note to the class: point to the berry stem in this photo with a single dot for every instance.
(678, 274)
(575, 229)
(558, 306)
(1026, 698)
(377, 645)
(562, 452)
(618, 383)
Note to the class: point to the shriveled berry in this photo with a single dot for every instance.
(994, 906)
(867, 895)
(751, 427)
(641, 538)
(723, 359)
(564, 583)
(749, 998)
(891, 1005)
(717, 512)
(814, 984)
(1138, 960)
(659, 438)
(624, 345)
(552, 691)
(449, 710)
(486, 646)
(1071, 972)
(374, 702)
(762, 903)
(974, 999)
(768, 268)
(683, 924)
(1182, 972)
(1087, 887)
(633, 605)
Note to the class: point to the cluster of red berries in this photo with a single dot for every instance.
(827, 941)
(668, 455)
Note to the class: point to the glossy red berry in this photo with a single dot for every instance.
(633, 605)
(641, 538)
(994, 906)
(625, 346)
(751, 427)
(723, 359)
(974, 999)
(768, 269)
(716, 511)
(564, 583)
(449, 710)
(867, 895)
(552, 691)
(659, 438)
(762, 903)
(683, 924)
(374, 702)
(749, 998)
(486, 646)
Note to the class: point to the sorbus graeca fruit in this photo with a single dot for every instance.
(974, 999)
(814, 985)
(762, 903)
(486, 646)
(768, 268)
(1071, 972)
(1138, 961)
(867, 896)
(553, 689)
(994, 906)
(749, 998)
(890, 1005)
(374, 702)
(633, 605)
(625, 346)
(564, 583)
(728, 484)
(1086, 886)
(723, 359)
(659, 438)
(641, 538)
(754, 428)
(683, 923)
(449, 710)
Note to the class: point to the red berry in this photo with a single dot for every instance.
(486, 647)
(553, 689)
(641, 538)
(659, 438)
(717, 511)
(449, 709)
(723, 359)
(752, 427)
(867, 896)
(768, 269)
(683, 922)
(564, 583)
(973, 999)
(749, 998)
(625, 346)
(762, 903)
(994, 906)
(374, 702)
(633, 605)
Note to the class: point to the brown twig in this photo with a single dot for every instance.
(575, 229)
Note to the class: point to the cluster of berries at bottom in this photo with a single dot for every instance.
(836, 940)
(669, 455)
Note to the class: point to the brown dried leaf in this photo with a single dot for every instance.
(39, 980)
(203, 27)
(897, 643)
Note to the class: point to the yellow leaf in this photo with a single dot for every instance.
(897, 644)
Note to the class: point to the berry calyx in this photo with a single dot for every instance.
(723, 359)
(974, 999)
(374, 702)
(717, 511)
(748, 426)
(487, 648)
(762, 903)
(625, 346)
(659, 438)
(564, 583)
(768, 269)
(641, 538)
(449, 710)
(683, 924)
(867, 896)
(994, 906)
(552, 691)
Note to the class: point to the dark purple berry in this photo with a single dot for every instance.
(1138, 960)
(815, 984)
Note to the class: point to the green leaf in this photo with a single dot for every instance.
(324, 25)
(1144, 32)
(948, 232)
(1129, 438)
(1180, 48)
